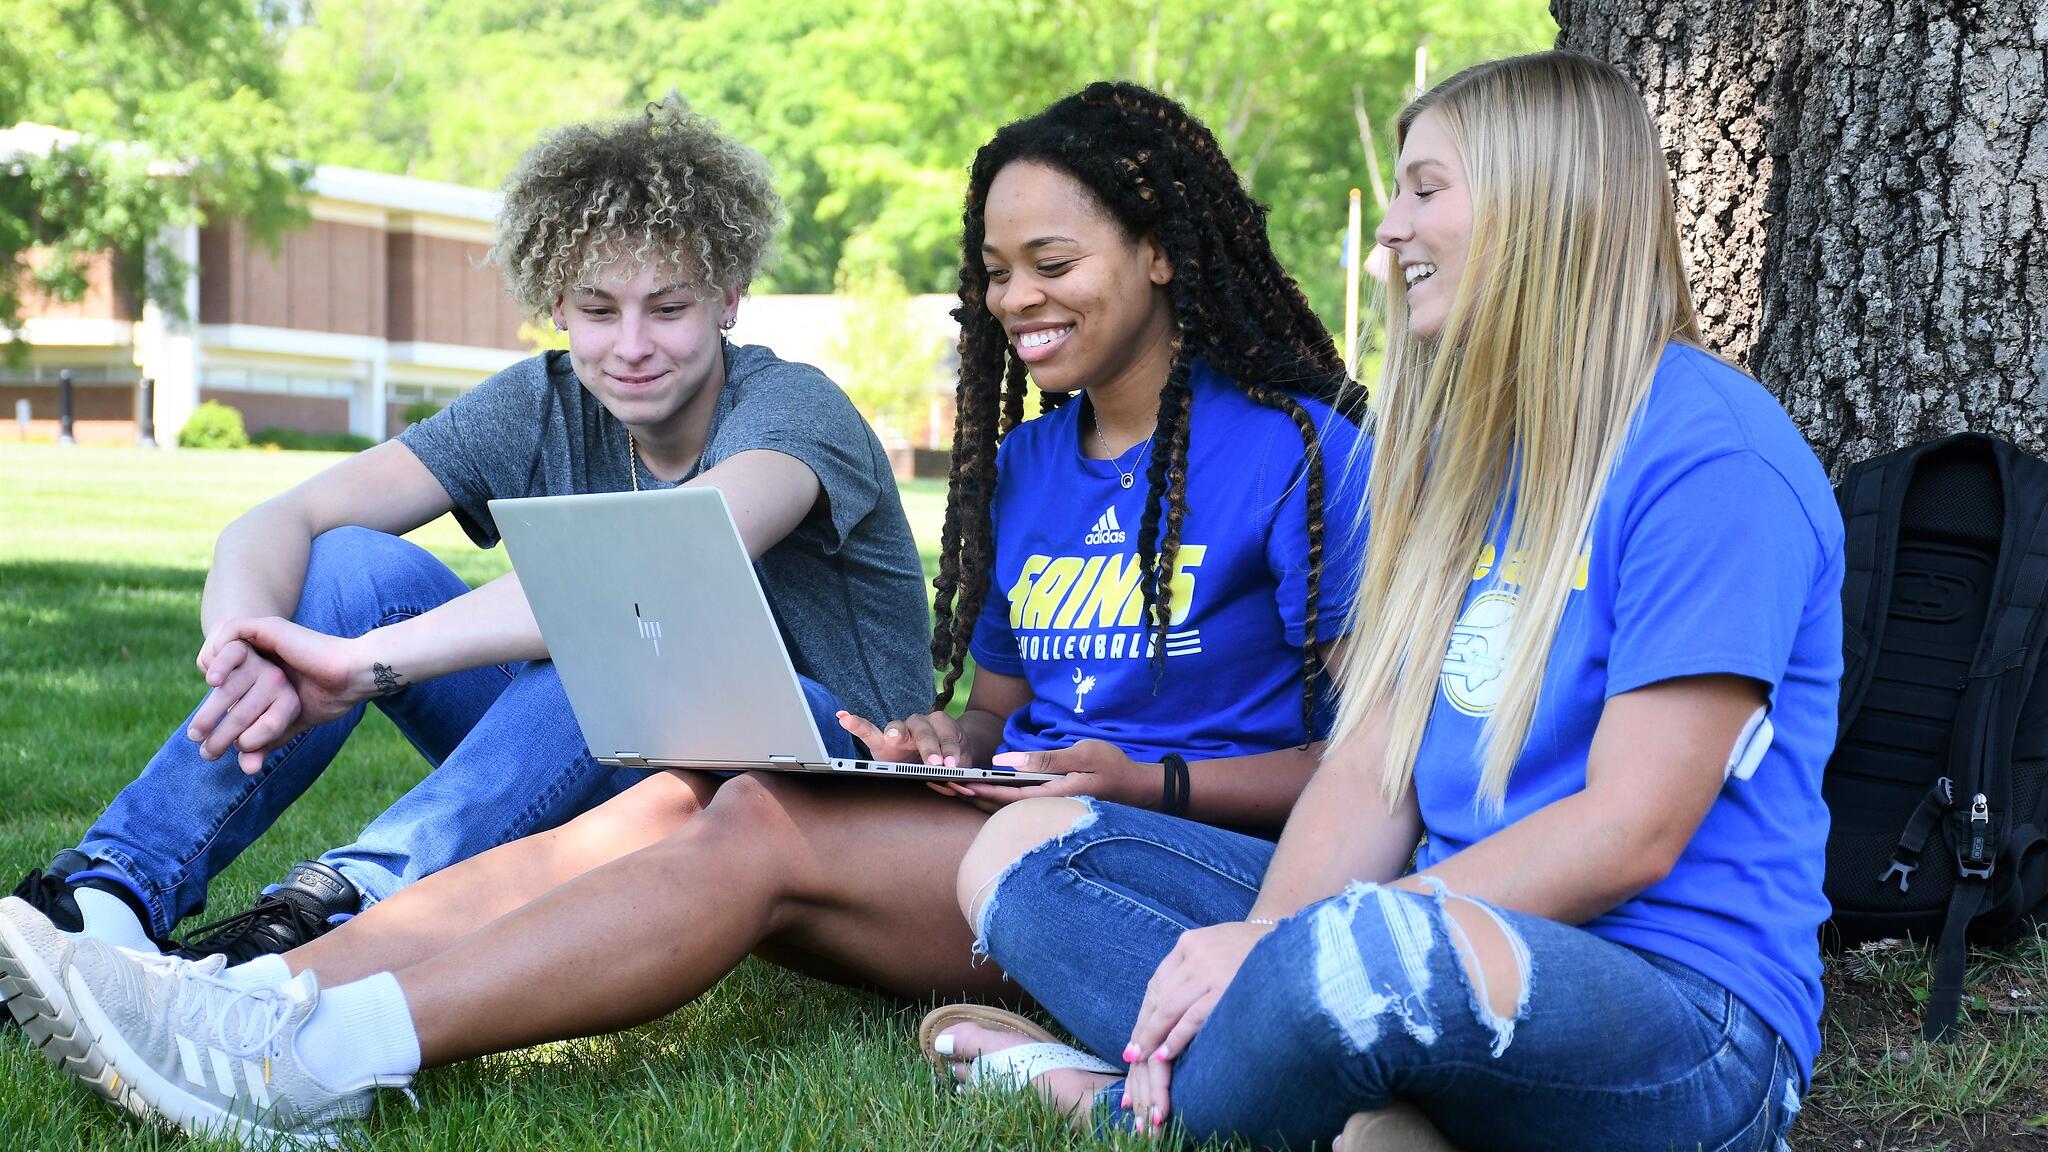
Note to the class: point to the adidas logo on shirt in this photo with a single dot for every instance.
(1106, 530)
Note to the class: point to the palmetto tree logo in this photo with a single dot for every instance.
(1082, 686)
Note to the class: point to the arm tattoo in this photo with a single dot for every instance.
(386, 678)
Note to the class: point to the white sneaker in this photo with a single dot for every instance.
(33, 955)
(207, 1056)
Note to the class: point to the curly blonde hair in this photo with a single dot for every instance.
(664, 189)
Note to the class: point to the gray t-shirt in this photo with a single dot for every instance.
(846, 585)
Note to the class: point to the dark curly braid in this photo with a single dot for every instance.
(1159, 172)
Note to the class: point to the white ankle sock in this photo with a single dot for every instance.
(108, 917)
(262, 972)
(361, 1033)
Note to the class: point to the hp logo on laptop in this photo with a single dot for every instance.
(649, 629)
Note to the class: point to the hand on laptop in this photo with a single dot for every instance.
(1085, 768)
(926, 738)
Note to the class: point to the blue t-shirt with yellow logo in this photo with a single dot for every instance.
(1716, 548)
(1065, 612)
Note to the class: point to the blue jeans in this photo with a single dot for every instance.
(1363, 999)
(508, 758)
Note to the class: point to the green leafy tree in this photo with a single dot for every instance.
(456, 91)
(174, 108)
(871, 110)
(891, 360)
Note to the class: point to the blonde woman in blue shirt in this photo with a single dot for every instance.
(1622, 565)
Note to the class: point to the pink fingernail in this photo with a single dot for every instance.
(1131, 1053)
(1159, 1055)
(1157, 1120)
(1124, 1101)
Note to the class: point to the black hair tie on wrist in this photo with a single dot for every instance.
(1175, 788)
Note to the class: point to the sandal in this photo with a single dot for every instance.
(1012, 1068)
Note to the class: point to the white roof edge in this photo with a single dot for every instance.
(330, 181)
(404, 193)
(30, 138)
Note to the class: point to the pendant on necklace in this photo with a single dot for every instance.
(1127, 478)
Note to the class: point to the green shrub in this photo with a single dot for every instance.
(293, 440)
(420, 410)
(213, 425)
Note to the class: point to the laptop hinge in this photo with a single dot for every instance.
(631, 759)
(784, 760)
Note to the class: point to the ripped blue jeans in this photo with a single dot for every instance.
(1364, 999)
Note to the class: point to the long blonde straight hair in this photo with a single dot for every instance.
(1572, 287)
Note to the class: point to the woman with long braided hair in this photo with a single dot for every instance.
(1150, 592)
(1133, 584)
(1593, 670)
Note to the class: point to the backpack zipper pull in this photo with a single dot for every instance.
(1977, 861)
(1980, 831)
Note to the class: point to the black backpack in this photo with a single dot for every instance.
(1935, 788)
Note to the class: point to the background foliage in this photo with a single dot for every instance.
(870, 110)
(177, 106)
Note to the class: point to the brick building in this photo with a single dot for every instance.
(381, 300)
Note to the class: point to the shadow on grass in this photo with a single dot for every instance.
(96, 672)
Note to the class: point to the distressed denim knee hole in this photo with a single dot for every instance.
(1499, 998)
(1354, 995)
(981, 908)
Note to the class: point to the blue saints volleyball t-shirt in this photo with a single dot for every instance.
(1716, 548)
(1064, 608)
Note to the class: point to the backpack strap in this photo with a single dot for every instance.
(1926, 816)
(1951, 957)
(2023, 861)
(1981, 739)
(1871, 498)
(2022, 587)
(1984, 727)
(1861, 499)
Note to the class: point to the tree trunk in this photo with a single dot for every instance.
(1863, 195)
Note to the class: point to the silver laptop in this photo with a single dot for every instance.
(664, 641)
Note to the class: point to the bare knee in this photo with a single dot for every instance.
(1008, 835)
(762, 814)
(653, 808)
(751, 797)
(642, 815)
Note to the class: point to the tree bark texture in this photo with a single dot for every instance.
(1863, 194)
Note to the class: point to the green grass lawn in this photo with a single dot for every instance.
(102, 557)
